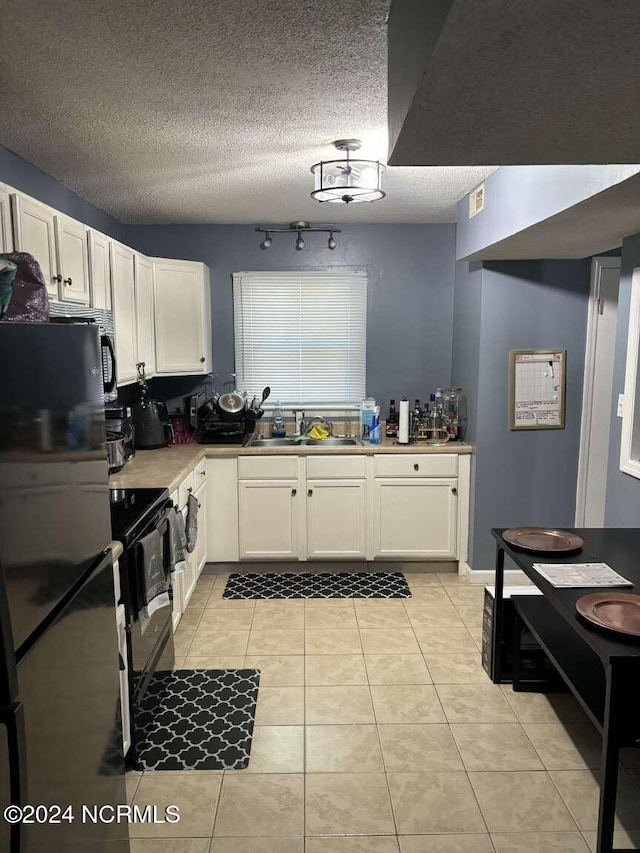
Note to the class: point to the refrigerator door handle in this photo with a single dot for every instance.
(13, 718)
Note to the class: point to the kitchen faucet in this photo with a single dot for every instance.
(304, 427)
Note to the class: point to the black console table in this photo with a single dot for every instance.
(602, 669)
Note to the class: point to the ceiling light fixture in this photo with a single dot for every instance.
(347, 180)
(298, 228)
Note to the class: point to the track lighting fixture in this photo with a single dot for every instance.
(298, 228)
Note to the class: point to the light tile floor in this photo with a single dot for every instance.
(378, 731)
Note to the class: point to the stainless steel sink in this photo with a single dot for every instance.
(275, 442)
(333, 442)
(302, 442)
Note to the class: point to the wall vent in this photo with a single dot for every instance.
(476, 201)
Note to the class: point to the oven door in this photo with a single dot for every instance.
(150, 639)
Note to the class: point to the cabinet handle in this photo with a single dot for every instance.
(202, 360)
(310, 493)
(416, 467)
(294, 492)
(67, 281)
(57, 278)
(454, 491)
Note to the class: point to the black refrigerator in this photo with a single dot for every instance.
(60, 730)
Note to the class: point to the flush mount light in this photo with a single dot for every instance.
(298, 228)
(347, 180)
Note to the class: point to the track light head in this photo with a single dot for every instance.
(266, 243)
(300, 242)
(331, 243)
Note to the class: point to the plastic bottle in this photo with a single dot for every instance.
(278, 429)
(375, 432)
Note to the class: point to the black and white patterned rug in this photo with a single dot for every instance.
(199, 719)
(318, 585)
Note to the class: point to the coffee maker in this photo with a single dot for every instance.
(152, 425)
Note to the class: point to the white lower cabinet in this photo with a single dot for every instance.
(268, 519)
(331, 507)
(200, 552)
(124, 677)
(336, 519)
(415, 517)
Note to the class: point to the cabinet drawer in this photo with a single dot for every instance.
(329, 467)
(199, 474)
(267, 467)
(185, 487)
(415, 465)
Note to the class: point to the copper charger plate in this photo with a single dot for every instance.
(543, 539)
(615, 611)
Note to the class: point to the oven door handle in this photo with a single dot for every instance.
(106, 342)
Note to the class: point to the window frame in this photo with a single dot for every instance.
(335, 405)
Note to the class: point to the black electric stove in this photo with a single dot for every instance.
(132, 510)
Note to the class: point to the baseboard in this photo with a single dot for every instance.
(487, 576)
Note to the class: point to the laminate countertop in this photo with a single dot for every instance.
(168, 466)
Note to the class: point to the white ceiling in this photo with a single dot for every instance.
(208, 110)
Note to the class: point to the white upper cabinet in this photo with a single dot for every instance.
(72, 259)
(6, 235)
(124, 311)
(145, 322)
(33, 232)
(99, 270)
(183, 317)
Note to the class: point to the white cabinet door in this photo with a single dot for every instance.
(34, 233)
(124, 312)
(415, 517)
(124, 678)
(144, 315)
(200, 552)
(6, 235)
(99, 270)
(189, 577)
(182, 317)
(73, 266)
(336, 518)
(268, 520)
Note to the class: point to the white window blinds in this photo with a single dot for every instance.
(303, 334)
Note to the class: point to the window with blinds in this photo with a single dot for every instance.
(303, 334)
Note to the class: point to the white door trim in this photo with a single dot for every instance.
(597, 266)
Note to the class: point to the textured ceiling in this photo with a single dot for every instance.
(518, 81)
(207, 110)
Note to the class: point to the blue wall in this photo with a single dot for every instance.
(21, 175)
(517, 197)
(410, 309)
(623, 491)
(519, 477)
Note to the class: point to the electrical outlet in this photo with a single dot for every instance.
(620, 412)
(476, 201)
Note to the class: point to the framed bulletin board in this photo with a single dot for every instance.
(537, 379)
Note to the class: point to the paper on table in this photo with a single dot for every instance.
(580, 574)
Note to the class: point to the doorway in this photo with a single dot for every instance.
(596, 395)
